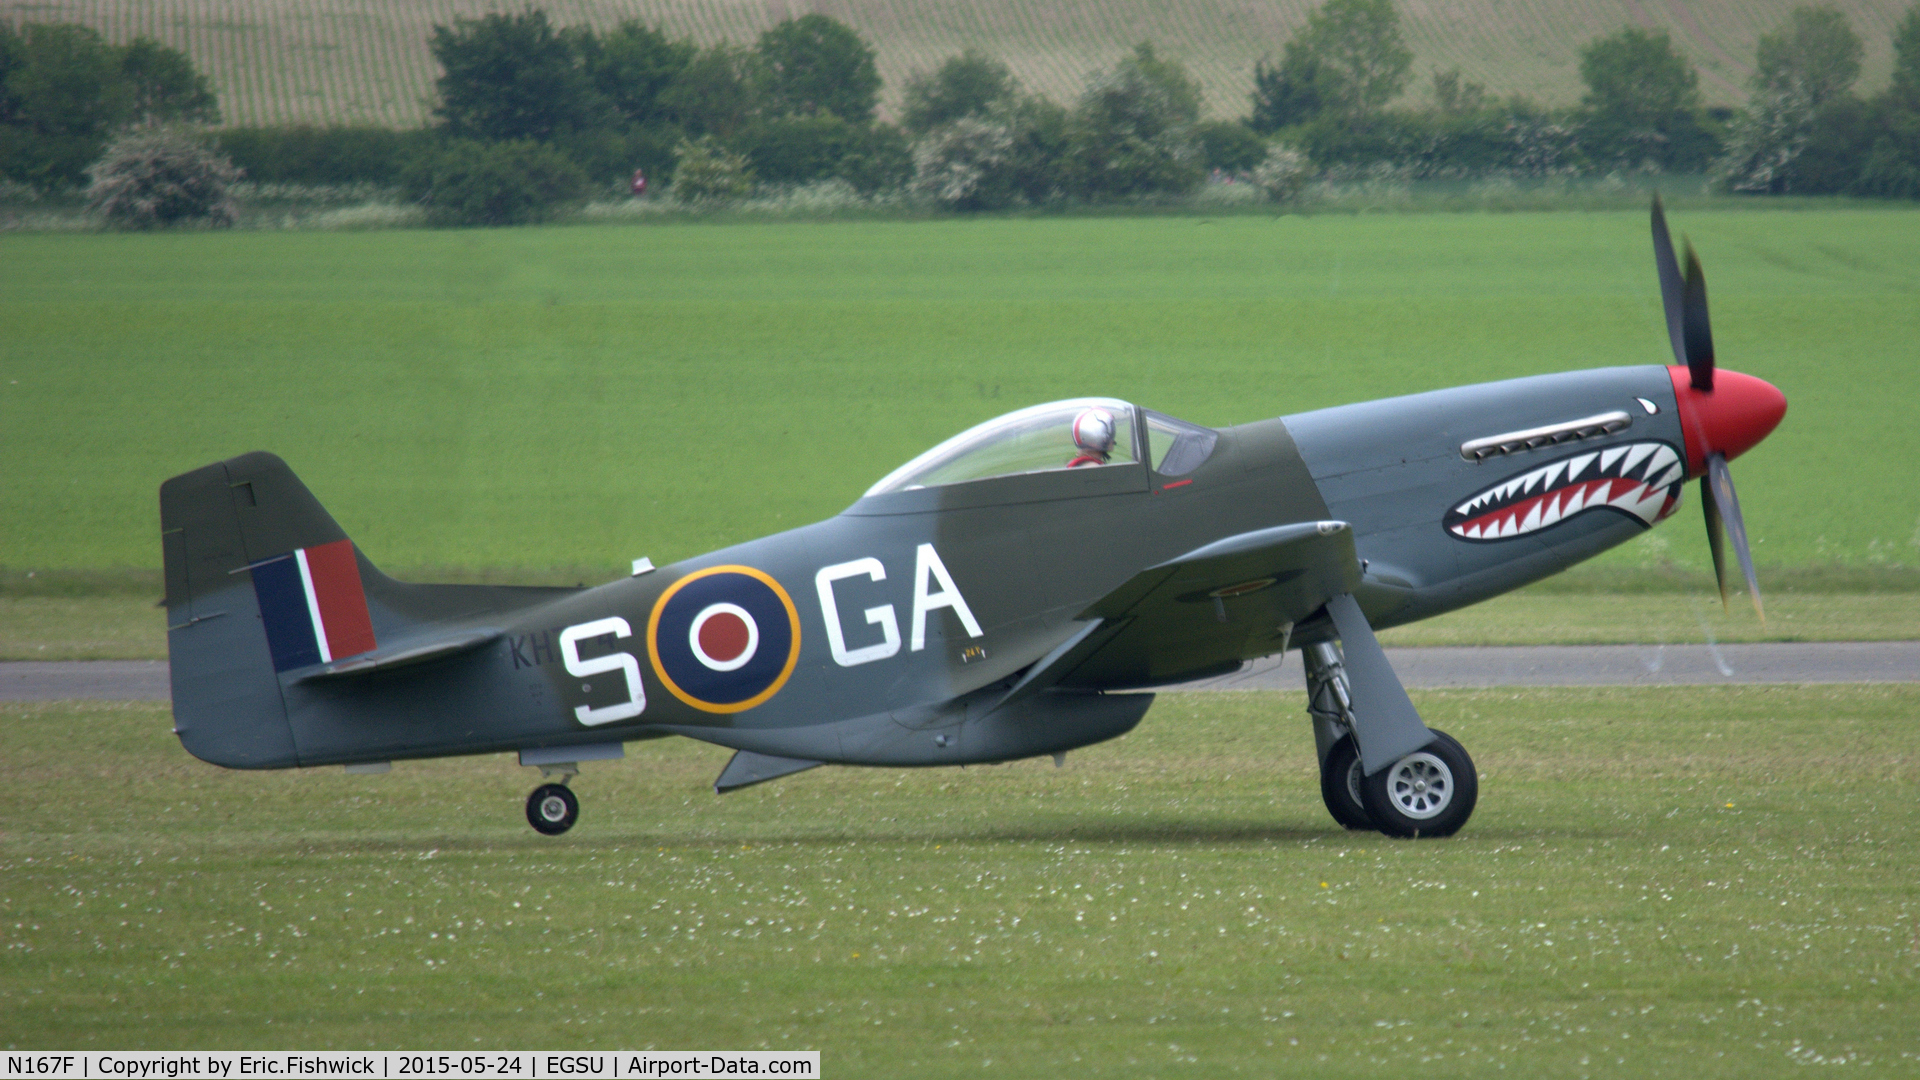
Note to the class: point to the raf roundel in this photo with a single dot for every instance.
(724, 639)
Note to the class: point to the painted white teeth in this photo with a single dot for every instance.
(1637, 478)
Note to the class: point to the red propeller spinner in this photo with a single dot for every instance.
(1729, 419)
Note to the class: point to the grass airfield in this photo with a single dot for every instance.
(1698, 881)
(520, 400)
(1692, 882)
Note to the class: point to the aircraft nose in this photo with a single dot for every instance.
(1731, 418)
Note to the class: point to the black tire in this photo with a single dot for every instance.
(1340, 785)
(1430, 792)
(552, 809)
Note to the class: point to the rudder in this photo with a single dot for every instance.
(259, 579)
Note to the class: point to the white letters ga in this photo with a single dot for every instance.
(927, 570)
(570, 639)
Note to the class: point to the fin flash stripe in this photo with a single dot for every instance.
(313, 606)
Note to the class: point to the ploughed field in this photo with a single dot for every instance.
(367, 61)
(1702, 882)
(554, 402)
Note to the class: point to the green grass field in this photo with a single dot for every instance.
(366, 61)
(1679, 882)
(513, 401)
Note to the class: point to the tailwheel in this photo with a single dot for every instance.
(552, 809)
(1340, 785)
(1430, 792)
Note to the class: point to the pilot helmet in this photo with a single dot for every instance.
(1093, 430)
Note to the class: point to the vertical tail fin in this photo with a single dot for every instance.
(260, 579)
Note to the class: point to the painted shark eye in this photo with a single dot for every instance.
(1641, 480)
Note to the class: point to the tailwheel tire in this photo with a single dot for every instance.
(1430, 792)
(552, 809)
(1340, 785)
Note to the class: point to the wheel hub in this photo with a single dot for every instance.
(1420, 785)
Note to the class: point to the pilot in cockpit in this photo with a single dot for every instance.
(1093, 435)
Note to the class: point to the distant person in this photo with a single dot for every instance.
(1093, 435)
(639, 183)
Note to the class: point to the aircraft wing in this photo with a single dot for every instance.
(1206, 611)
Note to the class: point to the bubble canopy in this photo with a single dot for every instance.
(1035, 439)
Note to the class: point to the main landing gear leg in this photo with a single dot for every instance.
(1330, 704)
(1408, 779)
(552, 808)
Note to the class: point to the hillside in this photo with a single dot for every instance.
(366, 61)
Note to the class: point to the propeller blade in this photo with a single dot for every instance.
(1698, 334)
(1716, 536)
(1724, 507)
(1672, 295)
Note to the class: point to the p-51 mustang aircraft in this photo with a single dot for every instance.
(1004, 595)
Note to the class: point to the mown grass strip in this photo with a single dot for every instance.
(1714, 881)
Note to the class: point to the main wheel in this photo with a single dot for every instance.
(552, 809)
(1430, 792)
(1340, 785)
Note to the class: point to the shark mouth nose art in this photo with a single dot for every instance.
(1641, 479)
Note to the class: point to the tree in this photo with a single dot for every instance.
(1893, 169)
(632, 65)
(163, 85)
(1905, 88)
(1799, 70)
(1132, 132)
(970, 84)
(156, 176)
(708, 172)
(1814, 56)
(1349, 59)
(817, 64)
(511, 77)
(1285, 94)
(967, 164)
(715, 94)
(1281, 174)
(1642, 106)
(1454, 95)
(1230, 146)
(67, 81)
(63, 94)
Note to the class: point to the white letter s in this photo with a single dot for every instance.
(570, 639)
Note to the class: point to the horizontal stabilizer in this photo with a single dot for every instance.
(403, 655)
(747, 768)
